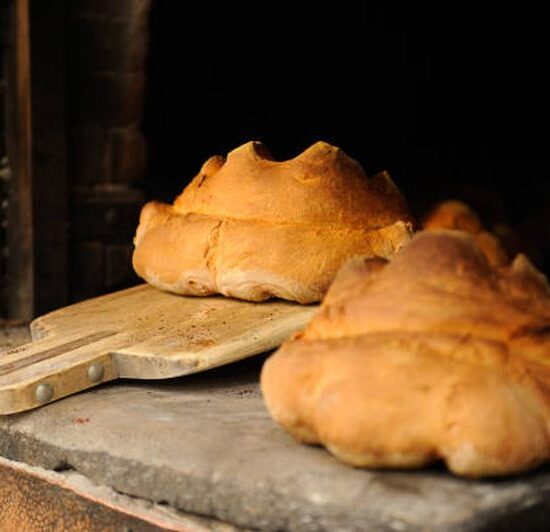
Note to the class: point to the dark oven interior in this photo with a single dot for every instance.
(126, 99)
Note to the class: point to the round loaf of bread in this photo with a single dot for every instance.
(434, 356)
(253, 228)
(452, 214)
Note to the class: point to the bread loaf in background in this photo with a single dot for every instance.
(436, 355)
(253, 228)
(453, 214)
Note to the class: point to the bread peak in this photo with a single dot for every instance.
(321, 186)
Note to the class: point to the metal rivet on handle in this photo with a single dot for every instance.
(95, 372)
(43, 392)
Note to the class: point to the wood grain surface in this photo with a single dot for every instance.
(139, 333)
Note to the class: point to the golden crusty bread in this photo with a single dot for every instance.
(434, 355)
(454, 214)
(253, 228)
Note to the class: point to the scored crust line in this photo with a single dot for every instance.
(211, 247)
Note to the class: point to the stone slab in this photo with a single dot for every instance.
(205, 444)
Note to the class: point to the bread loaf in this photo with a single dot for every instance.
(454, 214)
(434, 355)
(253, 228)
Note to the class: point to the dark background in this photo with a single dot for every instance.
(453, 102)
(452, 99)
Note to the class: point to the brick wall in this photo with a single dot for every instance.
(108, 41)
(4, 172)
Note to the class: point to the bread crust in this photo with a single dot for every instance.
(253, 228)
(433, 356)
(456, 215)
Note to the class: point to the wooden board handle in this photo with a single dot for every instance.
(40, 372)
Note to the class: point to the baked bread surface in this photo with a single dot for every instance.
(457, 215)
(435, 355)
(253, 228)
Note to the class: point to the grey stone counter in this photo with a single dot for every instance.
(205, 444)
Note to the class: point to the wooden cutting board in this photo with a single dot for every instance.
(139, 333)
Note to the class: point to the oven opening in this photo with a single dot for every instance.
(105, 105)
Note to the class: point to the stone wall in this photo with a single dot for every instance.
(4, 173)
(108, 41)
